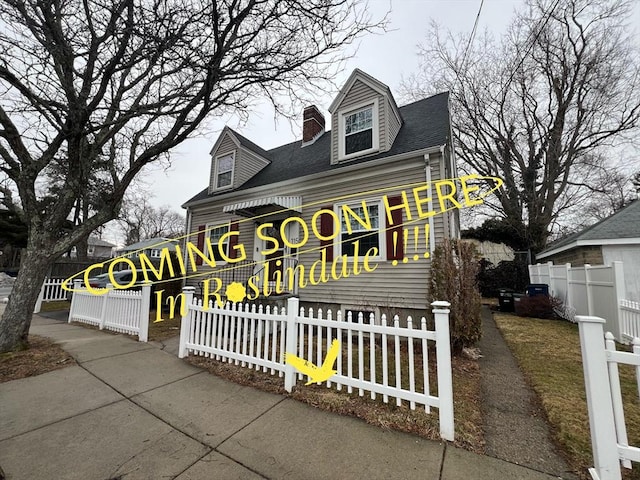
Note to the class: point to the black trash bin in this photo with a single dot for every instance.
(536, 289)
(517, 297)
(505, 299)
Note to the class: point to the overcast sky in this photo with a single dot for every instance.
(387, 57)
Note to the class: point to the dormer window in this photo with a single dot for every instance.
(224, 170)
(359, 130)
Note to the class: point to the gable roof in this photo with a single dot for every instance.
(621, 227)
(240, 140)
(425, 125)
(98, 242)
(158, 242)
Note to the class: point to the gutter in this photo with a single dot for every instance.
(589, 243)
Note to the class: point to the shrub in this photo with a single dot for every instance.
(513, 274)
(540, 306)
(454, 271)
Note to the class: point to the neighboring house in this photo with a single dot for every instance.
(152, 247)
(98, 248)
(616, 238)
(493, 252)
(373, 146)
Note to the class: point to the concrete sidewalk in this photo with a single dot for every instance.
(131, 410)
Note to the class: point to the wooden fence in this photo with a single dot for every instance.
(375, 357)
(600, 361)
(124, 311)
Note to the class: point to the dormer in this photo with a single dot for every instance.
(234, 160)
(365, 119)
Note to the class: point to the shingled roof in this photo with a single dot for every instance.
(625, 223)
(425, 124)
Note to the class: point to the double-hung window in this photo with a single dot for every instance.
(215, 235)
(224, 170)
(359, 130)
(367, 232)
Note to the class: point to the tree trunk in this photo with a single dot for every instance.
(82, 248)
(16, 320)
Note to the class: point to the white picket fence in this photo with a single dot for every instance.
(124, 311)
(50, 291)
(593, 291)
(257, 337)
(600, 361)
(629, 319)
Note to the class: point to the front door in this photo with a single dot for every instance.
(279, 259)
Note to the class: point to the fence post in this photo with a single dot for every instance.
(76, 287)
(185, 323)
(599, 403)
(105, 301)
(587, 286)
(38, 305)
(567, 300)
(619, 291)
(441, 311)
(293, 305)
(143, 332)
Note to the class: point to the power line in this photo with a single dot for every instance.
(532, 43)
(473, 34)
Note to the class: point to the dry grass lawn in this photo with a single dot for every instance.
(548, 352)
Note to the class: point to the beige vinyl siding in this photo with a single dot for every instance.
(402, 286)
(393, 125)
(247, 165)
(226, 146)
(359, 93)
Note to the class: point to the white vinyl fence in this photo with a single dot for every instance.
(50, 291)
(593, 291)
(629, 319)
(386, 360)
(600, 361)
(124, 311)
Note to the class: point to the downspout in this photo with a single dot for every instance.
(447, 218)
(186, 239)
(427, 169)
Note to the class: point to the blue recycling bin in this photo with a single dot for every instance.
(537, 289)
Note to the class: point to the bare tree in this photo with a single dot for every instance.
(542, 107)
(101, 89)
(139, 220)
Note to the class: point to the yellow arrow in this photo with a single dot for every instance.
(316, 374)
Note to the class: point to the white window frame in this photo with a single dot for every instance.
(209, 228)
(382, 222)
(155, 253)
(216, 173)
(375, 129)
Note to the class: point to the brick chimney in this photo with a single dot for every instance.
(313, 124)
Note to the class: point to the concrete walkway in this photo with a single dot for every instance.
(131, 410)
(515, 428)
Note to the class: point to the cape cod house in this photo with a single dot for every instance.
(365, 166)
